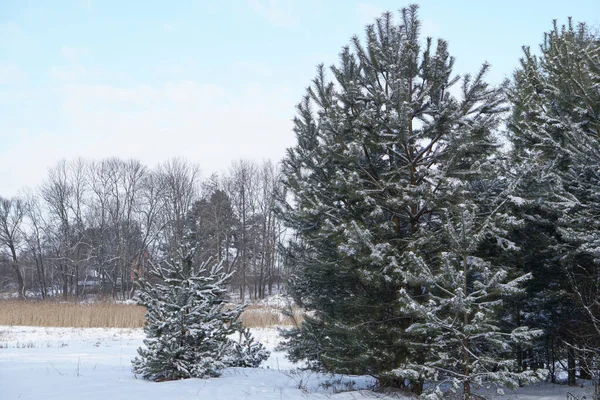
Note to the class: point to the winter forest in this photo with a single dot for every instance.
(93, 226)
(440, 234)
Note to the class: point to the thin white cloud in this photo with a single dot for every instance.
(368, 12)
(9, 28)
(68, 72)
(205, 123)
(76, 66)
(429, 28)
(25, 163)
(276, 12)
(170, 27)
(85, 4)
(11, 73)
(74, 54)
(253, 69)
(9, 33)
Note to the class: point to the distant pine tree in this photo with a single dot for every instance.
(189, 328)
(555, 132)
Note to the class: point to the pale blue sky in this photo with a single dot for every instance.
(211, 81)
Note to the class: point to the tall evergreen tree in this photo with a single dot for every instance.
(378, 149)
(213, 224)
(188, 326)
(555, 131)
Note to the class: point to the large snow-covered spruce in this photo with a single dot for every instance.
(383, 148)
(190, 331)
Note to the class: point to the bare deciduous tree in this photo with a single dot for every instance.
(179, 182)
(12, 212)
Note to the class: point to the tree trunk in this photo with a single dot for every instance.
(77, 281)
(18, 274)
(571, 367)
(466, 383)
(465, 341)
(39, 264)
(39, 268)
(65, 280)
(552, 362)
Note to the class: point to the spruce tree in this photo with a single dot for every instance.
(379, 145)
(189, 327)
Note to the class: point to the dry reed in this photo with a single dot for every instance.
(259, 316)
(115, 315)
(71, 314)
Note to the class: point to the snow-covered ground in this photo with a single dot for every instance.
(94, 364)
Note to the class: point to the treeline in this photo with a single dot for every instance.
(95, 226)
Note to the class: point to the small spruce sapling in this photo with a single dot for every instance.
(189, 327)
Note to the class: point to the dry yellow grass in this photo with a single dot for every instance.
(259, 316)
(114, 315)
(71, 314)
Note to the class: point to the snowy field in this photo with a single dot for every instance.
(94, 364)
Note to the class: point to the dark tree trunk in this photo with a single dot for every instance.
(17, 270)
(571, 368)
